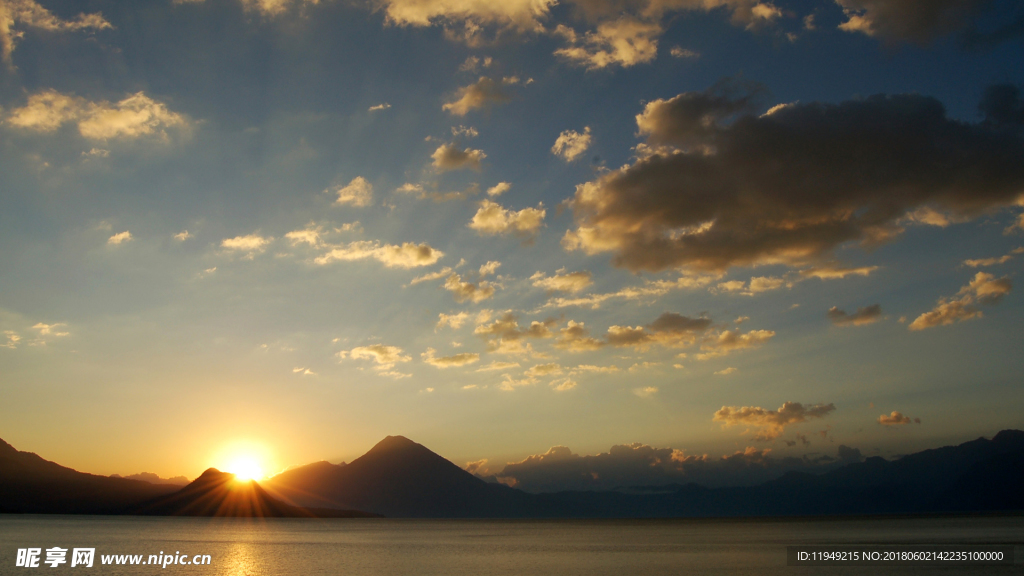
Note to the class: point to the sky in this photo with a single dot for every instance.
(645, 232)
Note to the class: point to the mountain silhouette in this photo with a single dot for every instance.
(30, 484)
(217, 493)
(399, 477)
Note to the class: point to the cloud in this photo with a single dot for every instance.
(508, 383)
(442, 273)
(17, 14)
(475, 467)
(563, 384)
(646, 391)
(756, 285)
(497, 365)
(910, 20)
(591, 369)
(120, 238)
(492, 219)
(570, 144)
(896, 419)
(863, 316)
(468, 291)
(454, 320)
(384, 356)
(408, 255)
(449, 361)
(507, 329)
(12, 339)
(738, 189)
(251, 243)
(379, 107)
(358, 193)
(182, 236)
(726, 371)
(669, 329)
(133, 117)
(625, 42)
(983, 289)
(489, 268)
(499, 189)
(988, 261)
(549, 369)
(729, 341)
(563, 281)
(649, 290)
(521, 15)
(680, 52)
(771, 422)
(417, 189)
(834, 271)
(484, 93)
(450, 157)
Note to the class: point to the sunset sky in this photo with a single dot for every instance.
(289, 228)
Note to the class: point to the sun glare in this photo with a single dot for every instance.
(245, 469)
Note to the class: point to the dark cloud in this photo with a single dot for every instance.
(154, 479)
(793, 184)
(634, 465)
(918, 21)
(865, 315)
(669, 329)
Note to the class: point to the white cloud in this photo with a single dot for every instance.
(570, 144)
(408, 255)
(450, 157)
(492, 219)
(481, 94)
(15, 14)
(120, 238)
(449, 361)
(499, 189)
(358, 192)
(563, 281)
(133, 117)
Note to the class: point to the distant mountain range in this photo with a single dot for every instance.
(400, 478)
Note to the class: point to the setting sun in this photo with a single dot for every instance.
(245, 468)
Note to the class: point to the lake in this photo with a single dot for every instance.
(379, 547)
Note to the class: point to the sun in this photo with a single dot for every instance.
(245, 468)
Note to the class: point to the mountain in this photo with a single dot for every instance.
(217, 493)
(29, 484)
(399, 477)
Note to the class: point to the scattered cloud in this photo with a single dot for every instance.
(497, 365)
(407, 255)
(756, 285)
(182, 236)
(442, 273)
(646, 391)
(625, 42)
(896, 419)
(980, 262)
(863, 316)
(726, 371)
(771, 423)
(562, 281)
(450, 157)
(15, 15)
(449, 361)
(728, 341)
(384, 356)
(499, 189)
(251, 244)
(379, 107)
(984, 288)
(489, 268)
(133, 117)
(464, 291)
(484, 93)
(570, 144)
(680, 52)
(835, 271)
(120, 238)
(454, 320)
(358, 193)
(492, 219)
(650, 290)
(563, 384)
(669, 329)
(909, 20)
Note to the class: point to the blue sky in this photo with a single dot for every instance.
(294, 227)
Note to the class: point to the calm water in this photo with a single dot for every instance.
(482, 547)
